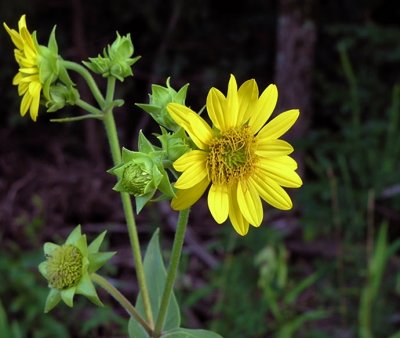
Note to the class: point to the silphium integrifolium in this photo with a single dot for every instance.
(68, 268)
(117, 59)
(159, 98)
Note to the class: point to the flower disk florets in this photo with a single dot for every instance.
(231, 156)
(136, 178)
(64, 267)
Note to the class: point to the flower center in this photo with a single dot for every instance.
(135, 179)
(231, 156)
(64, 267)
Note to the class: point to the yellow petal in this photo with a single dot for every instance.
(283, 175)
(231, 105)
(271, 148)
(287, 161)
(192, 176)
(279, 125)
(187, 160)
(215, 103)
(34, 91)
(22, 22)
(15, 37)
(25, 103)
(264, 108)
(271, 192)
(249, 203)
(186, 198)
(247, 96)
(218, 202)
(239, 223)
(198, 130)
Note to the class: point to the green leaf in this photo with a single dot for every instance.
(156, 275)
(135, 330)
(190, 333)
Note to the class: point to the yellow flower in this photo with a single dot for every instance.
(27, 78)
(243, 160)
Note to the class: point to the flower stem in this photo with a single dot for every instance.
(112, 136)
(121, 299)
(76, 67)
(88, 107)
(172, 270)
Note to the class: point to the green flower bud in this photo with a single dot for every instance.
(137, 175)
(68, 268)
(60, 96)
(116, 60)
(175, 144)
(158, 101)
(141, 173)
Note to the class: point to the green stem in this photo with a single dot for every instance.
(88, 78)
(76, 118)
(115, 148)
(172, 270)
(88, 107)
(121, 299)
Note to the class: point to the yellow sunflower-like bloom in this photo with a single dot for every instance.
(243, 160)
(27, 78)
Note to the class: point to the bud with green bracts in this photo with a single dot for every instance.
(117, 59)
(68, 268)
(158, 101)
(141, 174)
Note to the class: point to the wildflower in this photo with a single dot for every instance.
(68, 268)
(243, 160)
(27, 78)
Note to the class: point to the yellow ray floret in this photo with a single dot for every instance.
(240, 158)
(27, 79)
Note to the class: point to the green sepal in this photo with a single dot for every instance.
(94, 246)
(190, 333)
(144, 144)
(87, 289)
(52, 300)
(165, 185)
(74, 235)
(67, 296)
(42, 269)
(141, 201)
(98, 259)
(48, 247)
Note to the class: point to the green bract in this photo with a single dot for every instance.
(60, 96)
(68, 268)
(50, 67)
(116, 60)
(158, 101)
(174, 144)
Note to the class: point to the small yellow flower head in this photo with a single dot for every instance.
(38, 67)
(241, 158)
(68, 268)
(27, 78)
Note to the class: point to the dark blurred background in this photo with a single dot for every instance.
(328, 268)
